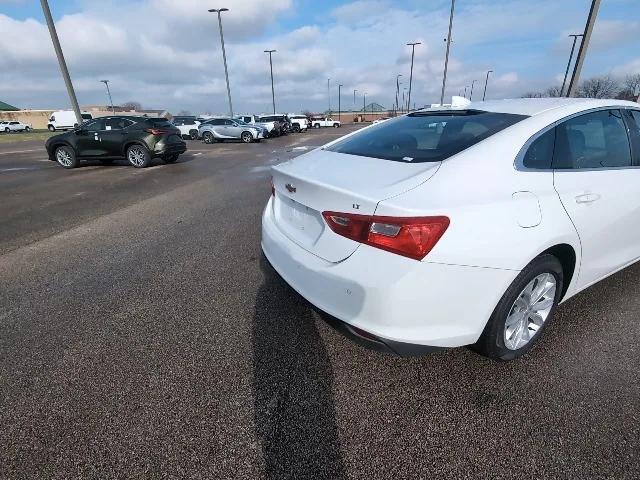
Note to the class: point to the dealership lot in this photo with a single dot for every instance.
(144, 335)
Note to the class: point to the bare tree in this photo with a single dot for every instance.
(632, 84)
(532, 95)
(599, 87)
(132, 105)
(554, 91)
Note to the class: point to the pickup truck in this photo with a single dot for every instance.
(273, 127)
(13, 126)
(299, 123)
(325, 122)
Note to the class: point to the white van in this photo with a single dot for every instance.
(65, 120)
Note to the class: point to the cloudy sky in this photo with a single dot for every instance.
(166, 53)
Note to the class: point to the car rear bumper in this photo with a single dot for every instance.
(402, 305)
(173, 148)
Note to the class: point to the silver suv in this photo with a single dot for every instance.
(219, 129)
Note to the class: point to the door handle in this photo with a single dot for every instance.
(587, 198)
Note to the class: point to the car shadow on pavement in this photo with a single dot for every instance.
(294, 408)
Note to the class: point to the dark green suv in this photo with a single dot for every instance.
(138, 139)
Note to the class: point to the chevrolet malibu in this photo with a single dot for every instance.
(463, 226)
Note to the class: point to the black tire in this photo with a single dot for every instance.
(75, 125)
(317, 125)
(296, 128)
(336, 125)
(26, 129)
(492, 341)
(193, 134)
(6, 130)
(208, 137)
(170, 158)
(51, 128)
(246, 137)
(138, 156)
(66, 157)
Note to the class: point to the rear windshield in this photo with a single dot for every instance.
(425, 136)
(86, 116)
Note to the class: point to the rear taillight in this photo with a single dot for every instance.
(411, 237)
(156, 131)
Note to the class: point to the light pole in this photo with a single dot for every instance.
(354, 99)
(403, 98)
(465, 91)
(339, 105)
(397, 89)
(566, 73)
(413, 51)
(472, 84)
(224, 54)
(61, 61)
(329, 94)
(364, 106)
(106, 82)
(582, 52)
(273, 94)
(446, 57)
(485, 84)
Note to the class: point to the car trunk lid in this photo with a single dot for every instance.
(318, 181)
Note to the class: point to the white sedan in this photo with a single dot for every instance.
(464, 226)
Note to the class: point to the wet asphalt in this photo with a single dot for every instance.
(143, 335)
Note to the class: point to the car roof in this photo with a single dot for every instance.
(537, 106)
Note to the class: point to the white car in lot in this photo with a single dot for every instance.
(66, 120)
(463, 226)
(272, 127)
(325, 122)
(9, 126)
(299, 123)
(187, 125)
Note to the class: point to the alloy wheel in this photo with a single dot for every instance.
(247, 137)
(136, 156)
(63, 157)
(530, 310)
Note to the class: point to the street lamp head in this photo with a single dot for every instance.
(104, 81)
(218, 10)
(270, 51)
(414, 43)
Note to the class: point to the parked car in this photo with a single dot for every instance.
(273, 127)
(283, 121)
(65, 120)
(138, 139)
(9, 126)
(325, 122)
(299, 123)
(220, 129)
(187, 125)
(460, 226)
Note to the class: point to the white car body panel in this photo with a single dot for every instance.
(501, 218)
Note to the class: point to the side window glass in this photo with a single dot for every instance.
(633, 120)
(116, 123)
(592, 140)
(95, 126)
(228, 122)
(540, 152)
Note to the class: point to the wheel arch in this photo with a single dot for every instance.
(128, 144)
(567, 257)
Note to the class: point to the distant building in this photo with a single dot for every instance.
(5, 107)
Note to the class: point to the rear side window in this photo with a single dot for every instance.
(160, 122)
(426, 136)
(540, 153)
(116, 123)
(593, 140)
(633, 119)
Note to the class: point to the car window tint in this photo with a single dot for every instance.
(94, 125)
(633, 120)
(228, 122)
(425, 136)
(86, 116)
(540, 153)
(593, 140)
(160, 122)
(117, 123)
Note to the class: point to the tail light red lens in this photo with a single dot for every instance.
(156, 131)
(412, 237)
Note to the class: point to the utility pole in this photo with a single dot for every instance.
(472, 84)
(339, 105)
(566, 72)
(273, 94)
(354, 99)
(224, 54)
(61, 61)
(582, 52)
(329, 94)
(106, 82)
(486, 80)
(465, 91)
(403, 102)
(364, 106)
(397, 90)
(446, 57)
(413, 49)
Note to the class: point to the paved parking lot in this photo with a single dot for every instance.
(142, 335)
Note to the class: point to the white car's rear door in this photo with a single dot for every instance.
(599, 187)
